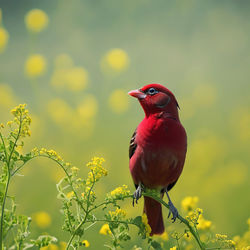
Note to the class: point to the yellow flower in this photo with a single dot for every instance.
(36, 20)
(85, 243)
(203, 224)
(117, 59)
(42, 219)
(35, 65)
(50, 247)
(77, 78)
(105, 229)
(119, 192)
(118, 101)
(1, 125)
(147, 226)
(173, 248)
(163, 236)
(63, 245)
(118, 213)
(189, 203)
(88, 108)
(4, 37)
(70, 194)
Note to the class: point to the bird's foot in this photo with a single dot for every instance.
(137, 194)
(172, 210)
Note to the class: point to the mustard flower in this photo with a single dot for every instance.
(173, 248)
(1, 125)
(85, 243)
(193, 216)
(117, 59)
(97, 171)
(105, 229)
(42, 219)
(203, 224)
(189, 203)
(118, 193)
(147, 226)
(4, 37)
(35, 65)
(36, 20)
(118, 213)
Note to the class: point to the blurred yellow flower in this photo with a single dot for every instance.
(173, 248)
(85, 243)
(77, 78)
(4, 37)
(60, 111)
(118, 101)
(116, 60)
(63, 245)
(105, 229)
(204, 95)
(35, 65)
(7, 98)
(203, 224)
(88, 107)
(42, 219)
(50, 247)
(145, 222)
(163, 236)
(189, 203)
(36, 20)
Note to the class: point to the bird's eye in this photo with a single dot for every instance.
(152, 91)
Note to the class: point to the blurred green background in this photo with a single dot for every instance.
(90, 54)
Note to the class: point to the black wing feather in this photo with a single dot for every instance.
(132, 145)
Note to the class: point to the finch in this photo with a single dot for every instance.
(157, 150)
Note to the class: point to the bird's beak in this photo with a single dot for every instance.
(137, 93)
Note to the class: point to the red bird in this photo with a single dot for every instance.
(157, 150)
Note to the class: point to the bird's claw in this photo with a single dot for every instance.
(137, 194)
(173, 211)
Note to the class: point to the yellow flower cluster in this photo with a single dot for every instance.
(243, 243)
(35, 65)
(189, 203)
(36, 20)
(118, 213)
(173, 248)
(145, 222)
(105, 229)
(119, 192)
(22, 119)
(51, 153)
(66, 75)
(50, 247)
(203, 223)
(97, 170)
(193, 216)
(223, 239)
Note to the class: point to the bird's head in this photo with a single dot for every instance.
(155, 98)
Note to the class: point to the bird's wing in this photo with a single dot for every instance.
(132, 145)
(169, 187)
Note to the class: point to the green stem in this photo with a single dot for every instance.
(8, 159)
(87, 211)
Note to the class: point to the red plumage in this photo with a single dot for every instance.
(158, 147)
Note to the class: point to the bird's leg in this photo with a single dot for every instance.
(172, 208)
(137, 194)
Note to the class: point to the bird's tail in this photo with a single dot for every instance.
(153, 211)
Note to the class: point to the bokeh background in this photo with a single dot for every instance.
(73, 64)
